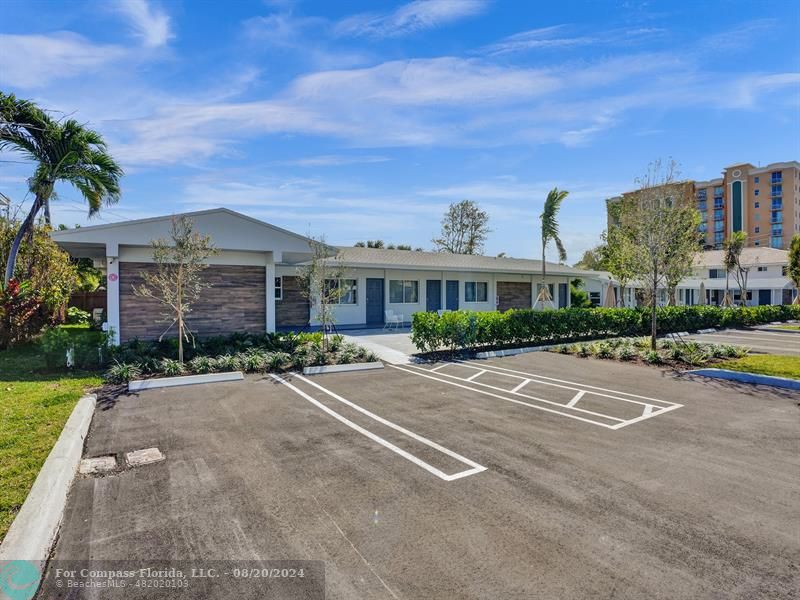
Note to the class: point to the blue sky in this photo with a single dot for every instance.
(365, 119)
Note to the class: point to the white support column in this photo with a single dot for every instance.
(569, 295)
(112, 291)
(270, 273)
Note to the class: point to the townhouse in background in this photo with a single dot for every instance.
(764, 202)
(255, 284)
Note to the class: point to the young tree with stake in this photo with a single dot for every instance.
(321, 282)
(177, 283)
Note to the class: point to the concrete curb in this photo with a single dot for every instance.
(781, 382)
(342, 368)
(149, 384)
(34, 530)
(513, 351)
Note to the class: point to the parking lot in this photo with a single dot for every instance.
(759, 341)
(534, 476)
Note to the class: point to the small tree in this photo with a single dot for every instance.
(662, 225)
(464, 229)
(793, 269)
(733, 247)
(321, 283)
(592, 259)
(680, 254)
(618, 255)
(549, 219)
(177, 283)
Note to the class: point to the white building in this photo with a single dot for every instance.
(255, 285)
(767, 280)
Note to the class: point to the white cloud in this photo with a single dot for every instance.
(409, 18)
(435, 81)
(333, 160)
(542, 37)
(35, 61)
(150, 24)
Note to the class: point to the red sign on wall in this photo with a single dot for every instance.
(113, 277)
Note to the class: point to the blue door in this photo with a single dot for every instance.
(374, 302)
(764, 297)
(451, 291)
(563, 290)
(433, 295)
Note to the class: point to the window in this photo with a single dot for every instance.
(348, 288)
(718, 214)
(757, 229)
(719, 226)
(777, 216)
(756, 193)
(756, 181)
(403, 291)
(777, 176)
(777, 203)
(776, 242)
(757, 243)
(716, 273)
(784, 271)
(757, 204)
(718, 203)
(777, 190)
(718, 192)
(762, 269)
(476, 291)
(757, 216)
(279, 288)
(718, 237)
(594, 298)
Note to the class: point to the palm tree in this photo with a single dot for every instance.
(64, 152)
(550, 233)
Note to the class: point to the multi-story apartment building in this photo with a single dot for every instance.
(764, 202)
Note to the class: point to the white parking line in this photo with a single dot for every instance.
(478, 374)
(575, 398)
(651, 407)
(475, 467)
(512, 400)
(521, 385)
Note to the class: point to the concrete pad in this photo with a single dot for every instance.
(98, 465)
(139, 458)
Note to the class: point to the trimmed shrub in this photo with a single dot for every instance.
(122, 372)
(460, 330)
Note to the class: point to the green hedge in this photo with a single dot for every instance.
(466, 329)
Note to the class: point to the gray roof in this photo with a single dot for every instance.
(752, 255)
(412, 259)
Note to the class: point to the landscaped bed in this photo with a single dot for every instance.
(35, 402)
(775, 365)
(253, 353)
(679, 355)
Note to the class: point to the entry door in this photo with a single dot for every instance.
(433, 295)
(374, 301)
(563, 290)
(451, 291)
(764, 297)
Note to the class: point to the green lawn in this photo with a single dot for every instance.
(789, 327)
(777, 365)
(34, 405)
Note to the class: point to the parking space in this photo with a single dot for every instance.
(760, 341)
(538, 475)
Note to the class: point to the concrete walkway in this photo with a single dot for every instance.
(392, 346)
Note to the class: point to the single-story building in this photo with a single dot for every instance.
(255, 285)
(767, 281)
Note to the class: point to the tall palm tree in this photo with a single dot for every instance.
(64, 152)
(550, 233)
